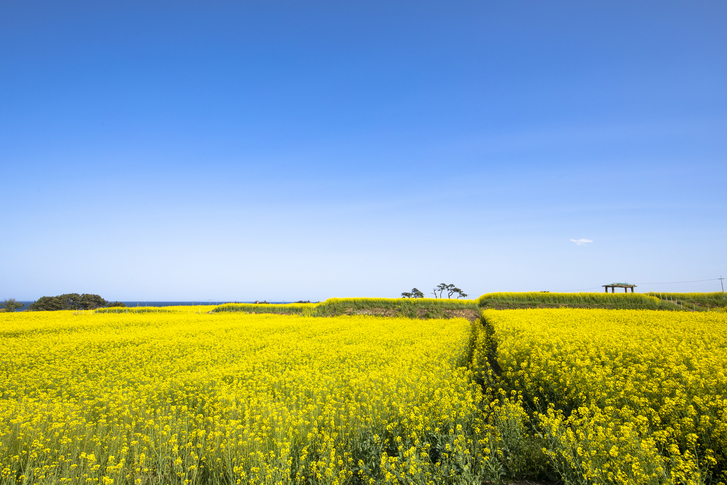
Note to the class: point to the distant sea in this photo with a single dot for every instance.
(167, 303)
(189, 303)
(172, 303)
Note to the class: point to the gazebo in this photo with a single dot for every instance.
(625, 286)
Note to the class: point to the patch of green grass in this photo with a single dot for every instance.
(408, 307)
(283, 308)
(695, 301)
(404, 307)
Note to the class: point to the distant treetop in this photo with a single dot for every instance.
(10, 305)
(68, 301)
(413, 294)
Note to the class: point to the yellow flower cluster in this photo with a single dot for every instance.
(166, 397)
(621, 396)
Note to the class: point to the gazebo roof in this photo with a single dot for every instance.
(619, 285)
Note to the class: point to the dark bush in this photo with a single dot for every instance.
(68, 301)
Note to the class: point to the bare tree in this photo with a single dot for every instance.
(439, 289)
(450, 289)
(453, 290)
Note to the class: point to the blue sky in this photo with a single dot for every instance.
(305, 150)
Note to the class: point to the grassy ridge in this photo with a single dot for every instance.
(284, 309)
(412, 308)
(702, 301)
(623, 301)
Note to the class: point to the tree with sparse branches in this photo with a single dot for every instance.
(449, 289)
(453, 290)
(11, 305)
(439, 289)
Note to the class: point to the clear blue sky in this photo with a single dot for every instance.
(291, 150)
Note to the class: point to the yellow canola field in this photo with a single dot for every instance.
(234, 398)
(586, 396)
(622, 396)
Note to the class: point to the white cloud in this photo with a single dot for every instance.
(581, 241)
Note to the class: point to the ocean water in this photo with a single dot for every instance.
(172, 303)
(166, 303)
(189, 303)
